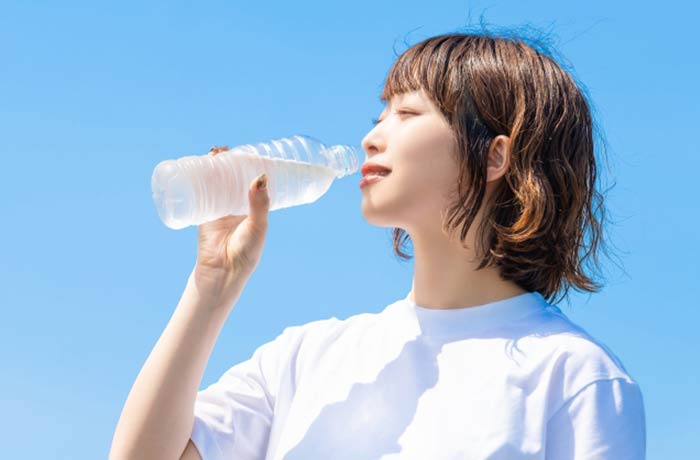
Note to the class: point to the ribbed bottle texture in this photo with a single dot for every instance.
(196, 189)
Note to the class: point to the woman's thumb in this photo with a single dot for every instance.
(259, 200)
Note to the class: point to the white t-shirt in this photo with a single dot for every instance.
(513, 379)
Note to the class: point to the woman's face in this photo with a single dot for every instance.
(415, 141)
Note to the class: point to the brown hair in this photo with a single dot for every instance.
(536, 225)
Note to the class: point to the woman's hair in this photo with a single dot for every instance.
(535, 227)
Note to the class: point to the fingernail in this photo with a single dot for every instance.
(262, 181)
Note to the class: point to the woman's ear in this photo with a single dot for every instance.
(499, 158)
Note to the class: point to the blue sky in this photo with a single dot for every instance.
(93, 96)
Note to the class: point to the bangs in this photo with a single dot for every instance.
(423, 66)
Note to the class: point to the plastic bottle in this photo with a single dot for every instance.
(196, 189)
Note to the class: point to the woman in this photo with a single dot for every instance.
(484, 157)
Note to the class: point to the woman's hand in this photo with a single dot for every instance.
(230, 248)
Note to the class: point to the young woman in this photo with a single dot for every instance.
(484, 157)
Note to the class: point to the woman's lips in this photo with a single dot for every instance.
(371, 179)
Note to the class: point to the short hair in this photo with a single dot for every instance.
(541, 225)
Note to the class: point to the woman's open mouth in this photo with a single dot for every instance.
(373, 177)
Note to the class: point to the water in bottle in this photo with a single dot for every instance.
(196, 189)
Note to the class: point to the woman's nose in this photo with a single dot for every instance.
(372, 143)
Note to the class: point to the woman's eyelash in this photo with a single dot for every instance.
(376, 121)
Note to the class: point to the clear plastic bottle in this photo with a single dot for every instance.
(196, 189)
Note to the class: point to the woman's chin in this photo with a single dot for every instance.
(374, 215)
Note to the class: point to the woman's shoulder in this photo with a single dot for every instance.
(330, 328)
(338, 331)
(573, 353)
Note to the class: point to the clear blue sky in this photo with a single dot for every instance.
(93, 97)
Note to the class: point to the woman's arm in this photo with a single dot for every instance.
(157, 418)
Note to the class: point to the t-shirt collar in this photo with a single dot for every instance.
(467, 320)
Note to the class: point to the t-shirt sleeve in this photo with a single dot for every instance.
(603, 421)
(233, 416)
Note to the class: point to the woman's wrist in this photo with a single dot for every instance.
(214, 290)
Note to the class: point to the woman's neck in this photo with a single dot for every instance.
(445, 276)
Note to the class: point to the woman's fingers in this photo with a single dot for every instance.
(214, 150)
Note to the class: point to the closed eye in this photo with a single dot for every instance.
(376, 121)
(405, 112)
